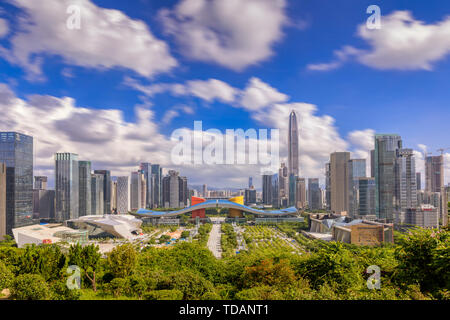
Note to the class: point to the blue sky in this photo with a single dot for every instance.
(399, 85)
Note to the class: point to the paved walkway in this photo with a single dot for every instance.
(214, 241)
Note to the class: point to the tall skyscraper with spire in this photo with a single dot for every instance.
(293, 147)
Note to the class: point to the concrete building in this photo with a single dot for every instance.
(425, 216)
(66, 186)
(114, 195)
(339, 179)
(363, 233)
(47, 234)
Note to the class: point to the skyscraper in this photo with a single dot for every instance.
(146, 169)
(301, 193)
(267, 193)
(434, 173)
(328, 186)
(97, 196)
(419, 180)
(366, 198)
(2, 200)
(156, 186)
(250, 182)
(275, 191)
(386, 146)
(16, 151)
(84, 173)
(356, 170)
(136, 190)
(114, 195)
(123, 202)
(66, 186)
(173, 190)
(40, 182)
(293, 145)
(406, 191)
(339, 179)
(106, 190)
(314, 194)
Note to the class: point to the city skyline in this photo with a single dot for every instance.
(336, 87)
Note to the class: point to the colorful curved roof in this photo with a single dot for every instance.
(215, 204)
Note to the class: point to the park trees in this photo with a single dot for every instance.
(122, 260)
(88, 259)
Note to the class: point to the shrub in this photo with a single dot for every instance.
(30, 287)
(164, 295)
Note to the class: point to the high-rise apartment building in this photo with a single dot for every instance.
(84, 173)
(16, 152)
(339, 179)
(293, 145)
(66, 186)
(386, 146)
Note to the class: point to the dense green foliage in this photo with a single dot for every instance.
(416, 267)
(228, 240)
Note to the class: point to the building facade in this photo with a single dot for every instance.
(293, 145)
(84, 173)
(386, 146)
(16, 152)
(123, 191)
(106, 190)
(66, 186)
(339, 179)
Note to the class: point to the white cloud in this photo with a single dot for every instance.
(258, 95)
(402, 43)
(104, 137)
(405, 43)
(231, 33)
(208, 90)
(107, 39)
(4, 27)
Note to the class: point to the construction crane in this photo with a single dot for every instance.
(442, 150)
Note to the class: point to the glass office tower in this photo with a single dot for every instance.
(84, 168)
(157, 186)
(16, 151)
(386, 146)
(106, 190)
(356, 170)
(67, 186)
